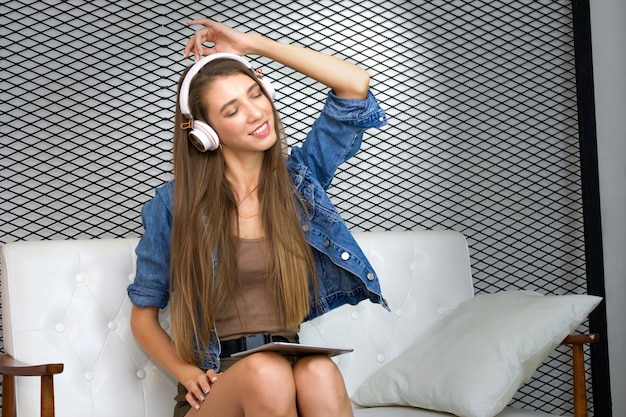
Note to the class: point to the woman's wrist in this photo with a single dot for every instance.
(258, 44)
(347, 80)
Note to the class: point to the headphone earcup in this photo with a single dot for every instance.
(203, 137)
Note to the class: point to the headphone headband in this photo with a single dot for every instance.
(195, 68)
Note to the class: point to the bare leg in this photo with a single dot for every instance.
(260, 385)
(320, 388)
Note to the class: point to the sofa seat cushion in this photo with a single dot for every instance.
(421, 412)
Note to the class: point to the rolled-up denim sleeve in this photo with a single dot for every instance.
(337, 134)
(150, 287)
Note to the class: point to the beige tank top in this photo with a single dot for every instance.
(252, 309)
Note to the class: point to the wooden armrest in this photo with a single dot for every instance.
(11, 367)
(580, 384)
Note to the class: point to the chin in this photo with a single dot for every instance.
(271, 142)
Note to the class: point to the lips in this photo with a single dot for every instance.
(264, 128)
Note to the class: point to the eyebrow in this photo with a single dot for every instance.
(234, 100)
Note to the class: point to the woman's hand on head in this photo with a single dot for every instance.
(223, 38)
(198, 387)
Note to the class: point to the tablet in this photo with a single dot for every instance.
(293, 349)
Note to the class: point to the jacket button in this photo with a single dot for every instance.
(305, 227)
(370, 276)
(345, 256)
(326, 243)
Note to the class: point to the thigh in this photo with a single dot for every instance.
(260, 380)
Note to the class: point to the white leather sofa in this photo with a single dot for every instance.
(64, 303)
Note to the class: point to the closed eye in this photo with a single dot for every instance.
(230, 109)
(256, 91)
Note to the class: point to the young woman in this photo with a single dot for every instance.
(245, 244)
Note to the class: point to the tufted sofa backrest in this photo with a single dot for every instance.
(423, 275)
(65, 301)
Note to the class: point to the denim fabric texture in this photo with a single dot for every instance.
(344, 274)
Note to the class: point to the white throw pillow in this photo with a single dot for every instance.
(474, 359)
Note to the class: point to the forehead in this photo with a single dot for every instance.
(228, 87)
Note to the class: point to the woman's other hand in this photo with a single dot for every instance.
(223, 38)
(198, 387)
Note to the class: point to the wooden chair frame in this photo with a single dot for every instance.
(578, 370)
(10, 368)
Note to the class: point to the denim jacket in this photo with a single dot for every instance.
(345, 276)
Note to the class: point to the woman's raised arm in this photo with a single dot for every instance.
(345, 79)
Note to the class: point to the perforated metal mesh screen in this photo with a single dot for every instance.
(482, 134)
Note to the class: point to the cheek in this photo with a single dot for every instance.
(228, 127)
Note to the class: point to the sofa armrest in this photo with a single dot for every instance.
(578, 368)
(10, 368)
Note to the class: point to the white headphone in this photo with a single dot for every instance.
(201, 135)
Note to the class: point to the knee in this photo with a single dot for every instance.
(316, 368)
(269, 368)
(310, 371)
(269, 380)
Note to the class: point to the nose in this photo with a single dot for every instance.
(255, 111)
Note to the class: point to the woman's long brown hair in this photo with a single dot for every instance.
(205, 225)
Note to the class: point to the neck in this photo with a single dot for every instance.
(243, 185)
(243, 171)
